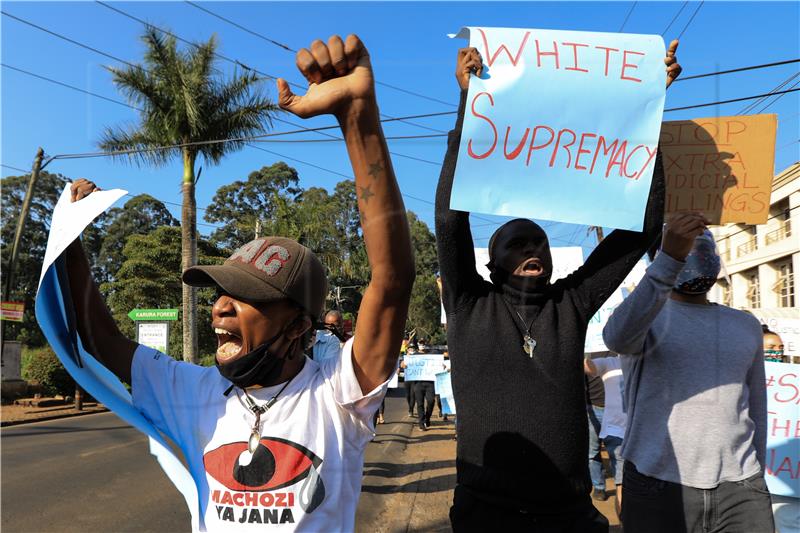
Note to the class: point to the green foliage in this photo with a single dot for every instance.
(42, 365)
(32, 246)
(270, 202)
(149, 278)
(424, 310)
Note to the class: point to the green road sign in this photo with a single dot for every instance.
(153, 314)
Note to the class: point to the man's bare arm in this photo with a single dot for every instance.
(341, 83)
(98, 331)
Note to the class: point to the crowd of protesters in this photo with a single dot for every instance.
(681, 412)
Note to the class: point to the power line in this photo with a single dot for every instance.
(217, 54)
(730, 101)
(232, 23)
(69, 86)
(290, 49)
(767, 105)
(742, 69)
(76, 43)
(691, 19)
(627, 17)
(678, 14)
(255, 138)
(15, 168)
(753, 105)
(306, 130)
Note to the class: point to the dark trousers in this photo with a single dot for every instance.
(424, 394)
(469, 514)
(650, 505)
(410, 396)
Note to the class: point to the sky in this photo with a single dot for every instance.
(410, 51)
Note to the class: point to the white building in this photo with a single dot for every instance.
(760, 262)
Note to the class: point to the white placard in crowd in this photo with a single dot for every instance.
(423, 367)
(784, 321)
(395, 381)
(444, 388)
(594, 332)
(783, 429)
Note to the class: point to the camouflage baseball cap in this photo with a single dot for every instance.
(265, 270)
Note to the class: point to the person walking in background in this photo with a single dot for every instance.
(595, 405)
(424, 392)
(411, 398)
(331, 338)
(695, 393)
(612, 429)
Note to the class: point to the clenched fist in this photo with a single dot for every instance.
(680, 233)
(671, 61)
(469, 61)
(339, 77)
(82, 188)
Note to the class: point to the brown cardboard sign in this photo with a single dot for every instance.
(722, 166)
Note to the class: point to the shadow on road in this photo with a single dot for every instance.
(422, 486)
(9, 433)
(395, 470)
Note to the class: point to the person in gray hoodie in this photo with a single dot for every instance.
(695, 393)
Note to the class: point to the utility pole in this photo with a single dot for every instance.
(23, 216)
(258, 228)
(598, 230)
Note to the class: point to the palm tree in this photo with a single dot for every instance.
(184, 101)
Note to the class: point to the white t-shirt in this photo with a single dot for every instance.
(614, 418)
(306, 473)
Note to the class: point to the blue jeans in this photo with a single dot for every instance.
(614, 449)
(595, 416)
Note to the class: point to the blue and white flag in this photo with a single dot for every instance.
(55, 315)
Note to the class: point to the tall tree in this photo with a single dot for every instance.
(247, 207)
(147, 278)
(139, 216)
(184, 101)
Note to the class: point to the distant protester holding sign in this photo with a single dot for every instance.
(517, 348)
(270, 436)
(696, 397)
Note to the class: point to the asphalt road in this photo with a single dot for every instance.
(86, 474)
(94, 474)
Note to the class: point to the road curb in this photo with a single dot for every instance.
(9, 423)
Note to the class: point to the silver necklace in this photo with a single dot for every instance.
(250, 404)
(528, 342)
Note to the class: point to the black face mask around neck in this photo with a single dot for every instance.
(257, 367)
(525, 284)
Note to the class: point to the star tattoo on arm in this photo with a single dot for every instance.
(375, 170)
(366, 193)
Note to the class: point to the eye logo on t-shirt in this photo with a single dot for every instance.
(275, 464)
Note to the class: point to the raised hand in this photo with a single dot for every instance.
(339, 77)
(671, 61)
(680, 233)
(468, 61)
(82, 188)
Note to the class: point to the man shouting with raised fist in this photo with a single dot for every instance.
(272, 438)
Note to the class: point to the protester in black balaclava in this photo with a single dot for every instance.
(516, 346)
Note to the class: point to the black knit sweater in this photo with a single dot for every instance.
(522, 427)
